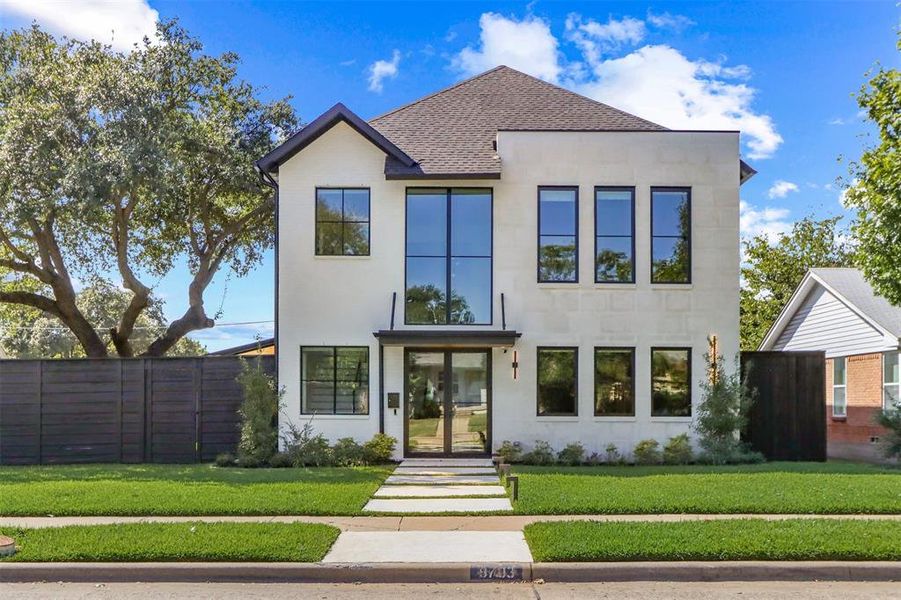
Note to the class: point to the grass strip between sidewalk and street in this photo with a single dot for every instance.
(732, 539)
(149, 542)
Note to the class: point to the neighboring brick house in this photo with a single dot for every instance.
(836, 311)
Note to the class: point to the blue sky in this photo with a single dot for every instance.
(781, 72)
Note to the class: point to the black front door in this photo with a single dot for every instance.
(448, 402)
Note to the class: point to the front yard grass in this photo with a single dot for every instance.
(162, 490)
(732, 539)
(809, 488)
(300, 542)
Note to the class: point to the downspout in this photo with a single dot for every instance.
(269, 181)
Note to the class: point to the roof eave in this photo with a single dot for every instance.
(745, 172)
(440, 176)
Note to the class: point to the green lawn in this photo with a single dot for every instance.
(822, 488)
(300, 542)
(185, 490)
(738, 539)
(423, 428)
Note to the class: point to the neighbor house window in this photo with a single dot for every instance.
(839, 387)
(448, 257)
(342, 222)
(891, 380)
(671, 382)
(614, 230)
(614, 382)
(558, 237)
(557, 381)
(334, 380)
(670, 235)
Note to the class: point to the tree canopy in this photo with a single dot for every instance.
(118, 166)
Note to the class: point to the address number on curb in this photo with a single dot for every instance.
(495, 573)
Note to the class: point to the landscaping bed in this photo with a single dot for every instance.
(783, 488)
(162, 490)
(733, 539)
(275, 542)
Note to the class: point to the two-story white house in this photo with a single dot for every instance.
(502, 260)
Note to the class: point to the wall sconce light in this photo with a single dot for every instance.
(515, 365)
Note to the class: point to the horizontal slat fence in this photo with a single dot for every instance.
(159, 410)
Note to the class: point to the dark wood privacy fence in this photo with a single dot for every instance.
(788, 421)
(161, 410)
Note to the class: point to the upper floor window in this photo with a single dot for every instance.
(891, 380)
(670, 382)
(614, 230)
(342, 222)
(670, 235)
(558, 234)
(839, 387)
(334, 380)
(557, 381)
(614, 382)
(448, 256)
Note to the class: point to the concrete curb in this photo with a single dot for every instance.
(449, 572)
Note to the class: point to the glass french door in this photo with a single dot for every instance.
(448, 402)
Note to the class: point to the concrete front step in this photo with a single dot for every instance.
(446, 462)
(443, 479)
(439, 505)
(444, 471)
(430, 547)
(438, 491)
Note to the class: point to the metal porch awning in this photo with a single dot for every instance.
(443, 338)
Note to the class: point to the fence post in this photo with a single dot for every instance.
(198, 409)
(40, 412)
(148, 410)
(119, 417)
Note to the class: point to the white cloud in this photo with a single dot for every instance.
(656, 82)
(781, 189)
(836, 121)
(526, 45)
(769, 222)
(120, 23)
(381, 70)
(670, 21)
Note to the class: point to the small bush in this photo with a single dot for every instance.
(891, 420)
(572, 455)
(280, 460)
(379, 450)
(647, 452)
(677, 450)
(347, 453)
(510, 452)
(248, 462)
(612, 455)
(259, 413)
(305, 448)
(723, 415)
(541, 454)
(594, 460)
(225, 459)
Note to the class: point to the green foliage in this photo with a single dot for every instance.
(875, 186)
(510, 452)
(347, 453)
(891, 443)
(612, 455)
(772, 271)
(677, 451)
(259, 414)
(280, 460)
(225, 459)
(540, 454)
(379, 450)
(573, 454)
(306, 448)
(646, 452)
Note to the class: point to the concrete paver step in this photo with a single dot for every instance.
(446, 462)
(438, 491)
(444, 471)
(443, 479)
(430, 546)
(438, 505)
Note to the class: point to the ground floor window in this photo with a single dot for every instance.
(334, 380)
(670, 382)
(891, 380)
(557, 381)
(614, 383)
(839, 387)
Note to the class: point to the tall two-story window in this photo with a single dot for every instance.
(614, 231)
(448, 256)
(891, 380)
(670, 235)
(839, 386)
(334, 380)
(342, 222)
(670, 382)
(558, 234)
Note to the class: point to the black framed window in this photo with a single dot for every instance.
(670, 235)
(342, 221)
(558, 381)
(671, 382)
(334, 380)
(614, 234)
(558, 234)
(448, 256)
(614, 382)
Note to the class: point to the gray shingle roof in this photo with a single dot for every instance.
(452, 132)
(851, 284)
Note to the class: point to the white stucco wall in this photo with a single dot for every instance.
(342, 300)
